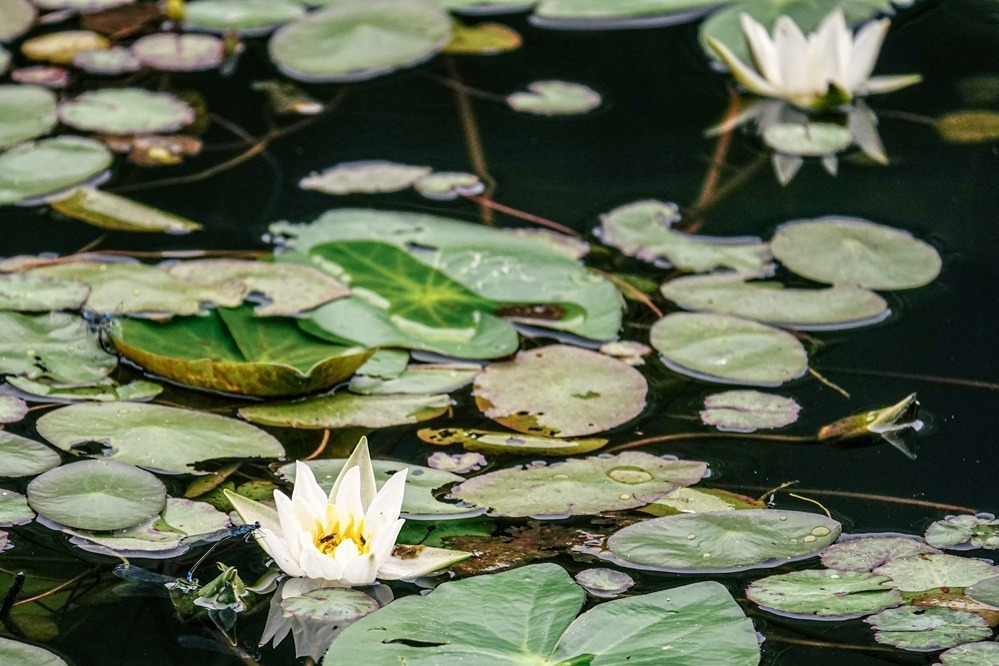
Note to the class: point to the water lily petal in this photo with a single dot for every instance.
(422, 562)
(295, 520)
(863, 126)
(763, 49)
(383, 543)
(251, 511)
(792, 50)
(348, 494)
(361, 459)
(274, 545)
(742, 72)
(866, 47)
(307, 490)
(388, 501)
(877, 85)
(317, 564)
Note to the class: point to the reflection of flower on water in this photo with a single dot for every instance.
(820, 71)
(794, 135)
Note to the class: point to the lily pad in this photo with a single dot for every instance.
(346, 410)
(97, 495)
(807, 140)
(16, 18)
(929, 571)
(172, 52)
(418, 501)
(35, 169)
(81, 5)
(483, 39)
(288, 289)
(367, 177)
(972, 654)
(869, 553)
(723, 541)
(122, 111)
(355, 40)
(165, 439)
(59, 48)
(448, 185)
(336, 605)
(927, 629)
(110, 211)
(48, 76)
(605, 583)
(643, 229)
(114, 61)
(555, 98)
(505, 443)
(385, 364)
(23, 654)
(486, 7)
(748, 411)
(620, 14)
(418, 379)
(629, 351)
(230, 350)
(729, 350)
(103, 391)
(700, 500)
(975, 531)
(985, 591)
(462, 463)
(806, 309)
(853, 252)
(12, 410)
(20, 456)
(131, 288)
(14, 509)
(26, 112)
(969, 126)
(560, 391)
(579, 487)
(247, 17)
(527, 616)
(54, 346)
(825, 593)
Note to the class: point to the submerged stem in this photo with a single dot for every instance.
(823, 380)
(473, 141)
(630, 288)
(659, 439)
(513, 212)
(718, 160)
(946, 381)
(864, 496)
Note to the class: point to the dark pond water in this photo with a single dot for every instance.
(646, 141)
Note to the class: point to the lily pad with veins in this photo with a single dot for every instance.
(26, 112)
(929, 571)
(955, 531)
(825, 593)
(869, 553)
(126, 111)
(927, 629)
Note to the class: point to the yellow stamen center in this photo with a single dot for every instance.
(336, 530)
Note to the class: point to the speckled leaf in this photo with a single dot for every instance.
(126, 111)
(54, 346)
(770, 302)
(853, 252)
(723, 541)
(166, 439)
(366, 177)
(26, 112)
(20, 456)
(748, 411)
(869, 553)
(505, 443)
(345, 410)
(826, 593)
(927, 629)
(727, 349)
(28, 293)
(972, 654)
(35, 169)
(97, 495)
(580, 486)
(555, 98)
(929, 571)
(560, 391)
(644, 230)
(110, 211)
(978, 532)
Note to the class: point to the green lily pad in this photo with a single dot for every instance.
(723, 541)
(20, 456)
(114, 61)
(620, 14)
(806, 309)
(724, 24)
(486, 7)
(604, 582)
(110, 211)
(869, 553)
(825, 593)
(23, 654)
(26, 112)
(247, 17)
(5, 59)
(985, 591)
(505, 443)
(461, 463)
(579, 487)
(336, 605)
(97, 495)
(103, 391)
(529, 616)
(368, 177)
(497, 265)
(726, 349)
(356, 40)
(418, 501)
(124, 111)
(173, 52)
(927, 629)
(35, 169)
(853, 252)
(16, 18)
(433, 535)
(14, 509)
(643, 229)
(231, 350)
(555, 98)
(131, 288)
(12, 410)
(560, 391)
(448, 185)
(808, 140)
(748, 411)
(418, 379)
(289, 289)
(29, 293)
(969, 126)
(346, 410)
(929, 571)
(975, 531)
(972, 654)
(700, 500)
(53, 346)
(165, 439)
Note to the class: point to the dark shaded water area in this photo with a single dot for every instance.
(647, 141)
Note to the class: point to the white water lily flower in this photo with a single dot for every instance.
(343, 539)
(826, 69)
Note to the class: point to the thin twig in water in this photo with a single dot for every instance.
(731, 185)
(718, 160)
(473, 141)
(57, 588)
(322, 446)
(815, 373)
(946, 381)
(834, 646)
(864, 496)
(458, 85)
(631, 290)
(815, 502)
(675, 437)
(92, 244)
(513, 212)
(771, 491)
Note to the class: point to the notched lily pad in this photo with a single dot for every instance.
(367, 177)
(824, 593)
(555, 98)
(560, 391)
(980, 531)
(927, 629)
(700, 500)
(54, 346)
(106, 390)
(748, 411)
(579, 487)
(505, 443)
(336, 605)
(428, 378)
(869, 553)
(345, 410)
